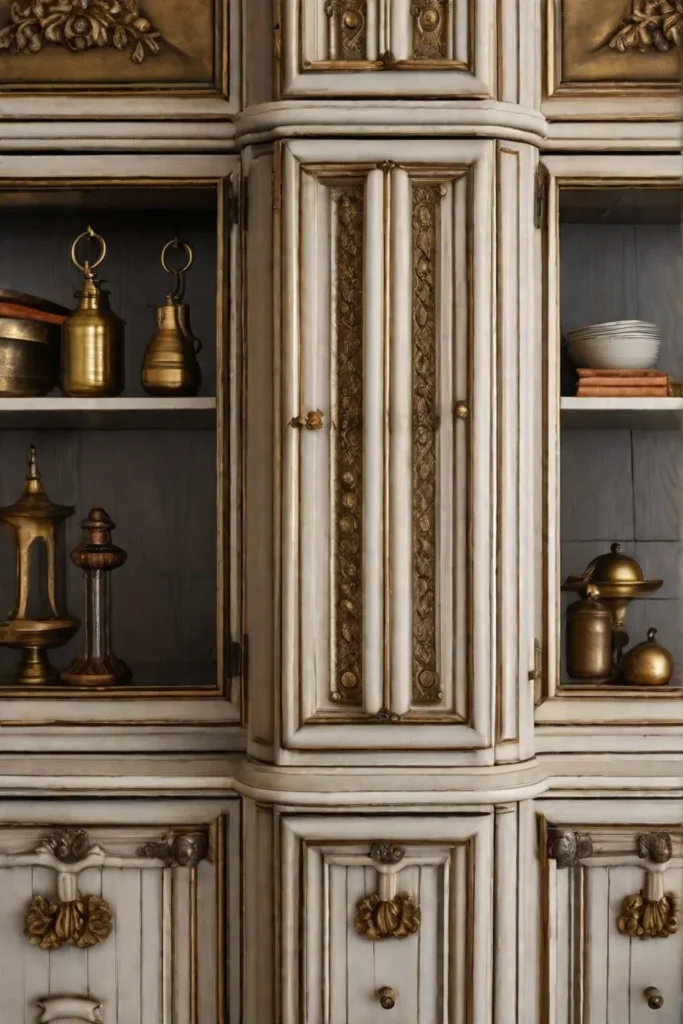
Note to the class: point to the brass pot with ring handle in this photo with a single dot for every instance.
(91, 363)
(169, 365)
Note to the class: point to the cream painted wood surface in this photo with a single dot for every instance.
(441, 973)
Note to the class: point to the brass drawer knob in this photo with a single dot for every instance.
(655, 999)
(462, 410)
(387, 998)
(312, 421)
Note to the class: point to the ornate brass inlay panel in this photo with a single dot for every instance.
(348, 29)
(78, 25)
(655, 25)
(430, 29)
(348, 447)
(644, 918)
(426, 204)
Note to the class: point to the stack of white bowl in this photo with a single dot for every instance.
(618, 345)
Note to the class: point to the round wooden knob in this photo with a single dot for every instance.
(387, 998)
(655, 999)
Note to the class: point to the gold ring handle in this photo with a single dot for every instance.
(655, 999)
(387, 998)
(88, 267)
(175, 244)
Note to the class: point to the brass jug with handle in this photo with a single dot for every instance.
(91, 363)
(170, 366)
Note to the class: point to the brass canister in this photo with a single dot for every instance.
(589, 639)
(91, 362)
(170, 366)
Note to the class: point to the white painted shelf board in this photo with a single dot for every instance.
(108, 413)
(622, 413)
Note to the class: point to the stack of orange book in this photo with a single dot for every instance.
(623, 384)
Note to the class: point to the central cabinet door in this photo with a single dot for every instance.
(388, 385)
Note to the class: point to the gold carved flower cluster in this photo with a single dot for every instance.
(79, 25)
(396, 918)
(83, 922)
(643, 918)
(650, 25)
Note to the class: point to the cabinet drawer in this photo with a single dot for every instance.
(392, 917)
(119, 914)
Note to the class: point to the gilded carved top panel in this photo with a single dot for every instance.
(111, 45)
(619, 42)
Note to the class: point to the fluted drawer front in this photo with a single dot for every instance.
(115, 919)
(394, 922)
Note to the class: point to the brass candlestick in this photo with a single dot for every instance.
(97, 557)
(35, 623)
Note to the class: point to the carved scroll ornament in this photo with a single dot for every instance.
(387, 914)
(567, 847)
(185, 850)
(79, 25)
(650, 25)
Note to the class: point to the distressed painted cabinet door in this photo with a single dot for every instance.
(446, 48)
(387, 914)
(386, 421)
(613, 897)
(126, 923)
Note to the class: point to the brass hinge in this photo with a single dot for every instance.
(536, 674)
(541, 179)
(235, 659)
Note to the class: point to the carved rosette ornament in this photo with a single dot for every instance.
(645, 918)
(73, 919)
(378, 919)
(79, 25)
(185, 850)
(387, 914)
(655, 846)
(650, 25)
(70, 918)
(568, 848)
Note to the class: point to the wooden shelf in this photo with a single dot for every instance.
(622, 413)
(108, 413)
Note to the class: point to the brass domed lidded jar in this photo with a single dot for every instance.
(648, 663)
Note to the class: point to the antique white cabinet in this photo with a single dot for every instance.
(356, 783)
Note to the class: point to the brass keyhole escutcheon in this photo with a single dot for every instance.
(387, 998)
(655, 999)
(462, 410)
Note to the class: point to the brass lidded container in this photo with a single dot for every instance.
(36, 621)
(648, 663)
(170, 366)
(589, 639)
(618, 579)
(92, 337)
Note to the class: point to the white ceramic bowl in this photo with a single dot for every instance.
(615, 353)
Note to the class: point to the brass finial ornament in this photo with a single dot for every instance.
(97, 556)
(169, 366)
(92, 337)
(36, 622)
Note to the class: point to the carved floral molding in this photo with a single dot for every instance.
(79, 25)
(651, 25)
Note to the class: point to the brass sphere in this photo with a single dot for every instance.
(648, 664)
(430, 18)
(351, 20)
